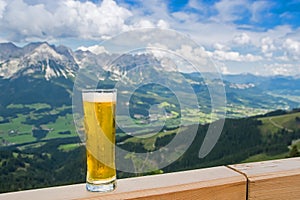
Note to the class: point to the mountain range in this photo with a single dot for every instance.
(40, 72)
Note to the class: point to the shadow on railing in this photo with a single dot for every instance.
(277, 179)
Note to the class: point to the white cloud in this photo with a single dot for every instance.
(235, 56)
(223, 55)
(91, 20)
(292, 48)
(219, 46)
(230, 10)
(29, 20)
(195, 56)
(242, 39)
(158, 50)
(143, 23)
(96, 49)
(68, 18)
(287, 69)
(267, 46)
(222, 67)
(196, 4)
(256, 9)
(183, 16)
(207, 34)
(251, 58)
(163, 24)
(147, 14)
(25, 20)
(201, 56)
(192, 53)
(2, 7)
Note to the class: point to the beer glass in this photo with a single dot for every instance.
(99, 108)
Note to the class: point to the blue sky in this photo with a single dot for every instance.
(241, 36)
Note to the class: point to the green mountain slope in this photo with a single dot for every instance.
(49, 162)
(272, 124)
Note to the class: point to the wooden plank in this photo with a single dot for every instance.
(50, 193)
(219, 183)
(276, 180)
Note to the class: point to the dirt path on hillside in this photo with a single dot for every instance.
(279, 126)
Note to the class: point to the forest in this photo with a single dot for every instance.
(47, 164)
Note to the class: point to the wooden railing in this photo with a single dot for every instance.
(276, 180)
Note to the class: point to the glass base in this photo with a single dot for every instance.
(103, 187)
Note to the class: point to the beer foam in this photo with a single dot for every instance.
(99, 97)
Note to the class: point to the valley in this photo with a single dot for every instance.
(40, 146)
(61, 160)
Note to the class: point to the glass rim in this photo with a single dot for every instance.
(99, 95)
(99, 90)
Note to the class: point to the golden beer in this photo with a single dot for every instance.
(99, 122)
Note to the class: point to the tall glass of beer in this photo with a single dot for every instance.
(99, 106)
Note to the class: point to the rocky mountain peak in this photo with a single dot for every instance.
(37, 58)
(9, 50)
(44, 52)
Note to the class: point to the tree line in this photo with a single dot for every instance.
(46, 165)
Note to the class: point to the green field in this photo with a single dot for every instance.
(68, 147)
(273, 124)
(59, 124)
(19, 128)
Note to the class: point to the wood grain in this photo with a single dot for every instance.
(219, 183)
(276, 180)
(205, 184)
